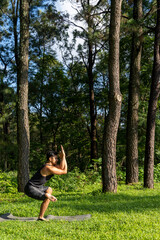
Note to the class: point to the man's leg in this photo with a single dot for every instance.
(45, 203)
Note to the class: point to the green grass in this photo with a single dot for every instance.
(132, 213)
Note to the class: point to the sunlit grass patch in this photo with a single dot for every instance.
(132, 213)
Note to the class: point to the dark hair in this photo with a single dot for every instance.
(50, 153)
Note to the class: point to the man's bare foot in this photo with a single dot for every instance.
(51, 197)
(41, 219)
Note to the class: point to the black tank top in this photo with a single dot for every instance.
(38, 179)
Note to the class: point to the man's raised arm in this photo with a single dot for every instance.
(63, 163)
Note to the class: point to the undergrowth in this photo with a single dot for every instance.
(73, 181)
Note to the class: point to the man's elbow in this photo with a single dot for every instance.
(65, 171)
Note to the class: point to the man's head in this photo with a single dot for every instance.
(52, 157)
(51, 153)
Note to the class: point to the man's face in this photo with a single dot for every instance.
(54, 159)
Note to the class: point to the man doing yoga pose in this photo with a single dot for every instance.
(35, 187)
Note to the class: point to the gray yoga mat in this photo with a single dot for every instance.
(9, 216)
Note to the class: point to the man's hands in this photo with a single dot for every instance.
(62, 153)
(63, 163)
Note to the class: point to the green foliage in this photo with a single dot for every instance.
(141, 174)
(8, 182)
(75, 180)
(37, 158)
(157, 173)
(121, 174)
(7, 125)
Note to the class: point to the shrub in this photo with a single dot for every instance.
(75, 180)
(8, 182)
(157, 173)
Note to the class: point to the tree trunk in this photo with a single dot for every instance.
(152, 108)
(15, 9)
(115, 99)
(91, 61)
(92, 105)
(23, 122)
(133, 100)
(6, 129)
(41, 94)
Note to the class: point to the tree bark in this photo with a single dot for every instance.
(115, 100)
(133, 100)
(23, 121)
(152, 108)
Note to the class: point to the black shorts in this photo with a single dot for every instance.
(35, 192)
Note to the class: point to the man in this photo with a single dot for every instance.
(35, 187)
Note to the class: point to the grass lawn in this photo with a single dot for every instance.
(132, 213)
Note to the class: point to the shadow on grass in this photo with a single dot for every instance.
(109, 203)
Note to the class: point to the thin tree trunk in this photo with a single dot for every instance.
(115, 99)
(41, 94)
(133, 100)
(91, 61)
(15, 11)
(6, 135)
(23, 122)
(5, 126)
(152, 108)
(94, 153)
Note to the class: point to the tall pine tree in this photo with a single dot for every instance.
(115, 99)
(152, 108)
(133, 99)
(23, 121)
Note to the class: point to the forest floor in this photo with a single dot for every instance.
(132, 213)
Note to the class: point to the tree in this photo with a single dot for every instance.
(7, 94)
(115, 99)
(152, 108)
(23, 121)
(94, 34)
(46, 27)
(133, 98)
